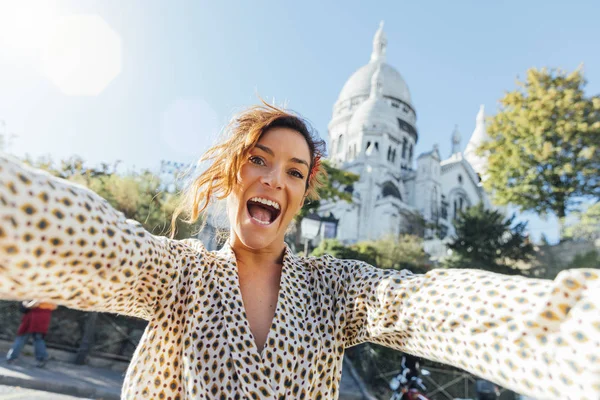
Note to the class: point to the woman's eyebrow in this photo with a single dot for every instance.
(270, 152)
(299, 161)
(265, 149)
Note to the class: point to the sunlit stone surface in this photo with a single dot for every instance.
(373, 132)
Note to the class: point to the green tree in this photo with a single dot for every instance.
(403, 252)
(544, 152)
(400, 252)
(138, 195)
(336, 188)
(591, 259)
(335, 248)
(485, 239)
(337, 182)
(587, 225)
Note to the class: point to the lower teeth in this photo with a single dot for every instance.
(261, 222)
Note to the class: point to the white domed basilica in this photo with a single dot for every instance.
(373, 133)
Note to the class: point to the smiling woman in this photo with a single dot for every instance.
(242, 139)
(253, 320)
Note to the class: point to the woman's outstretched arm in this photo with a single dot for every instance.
(537, 337)
(63, 243)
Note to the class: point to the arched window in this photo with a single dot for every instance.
(404, 144)
(339, 144)
(410, 153)
(434, 204)
(389, 189)
(455, 208)
(460, 204)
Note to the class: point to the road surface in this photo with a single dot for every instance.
(17, 393)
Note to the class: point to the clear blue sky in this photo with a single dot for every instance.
(204, 60)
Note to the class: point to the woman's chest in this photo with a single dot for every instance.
(287, 318)
(260, 300)
(207, 342)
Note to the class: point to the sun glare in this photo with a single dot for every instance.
(80, 54)
(23, 25)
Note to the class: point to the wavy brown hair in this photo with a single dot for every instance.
(226, 158)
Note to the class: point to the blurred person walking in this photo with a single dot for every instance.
(35, 323)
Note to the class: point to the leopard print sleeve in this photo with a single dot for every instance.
(537, 337)
(63, 243)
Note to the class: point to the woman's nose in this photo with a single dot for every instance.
(273, 178)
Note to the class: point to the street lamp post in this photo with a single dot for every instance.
(329, 224)
(311, 227)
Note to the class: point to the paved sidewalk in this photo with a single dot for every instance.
(65, 378)
(105, 383)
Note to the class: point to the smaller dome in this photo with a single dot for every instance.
(375, 109)
(372, 110)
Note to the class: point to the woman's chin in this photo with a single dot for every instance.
(256, 236)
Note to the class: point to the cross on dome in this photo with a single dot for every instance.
(379, 45)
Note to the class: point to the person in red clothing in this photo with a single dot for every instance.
(35, 322)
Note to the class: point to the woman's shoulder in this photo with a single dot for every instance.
(194, 244)
(327, 264)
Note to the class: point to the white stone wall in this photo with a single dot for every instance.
(454, 189)
(375, 107)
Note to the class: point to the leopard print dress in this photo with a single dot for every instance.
(62, 243)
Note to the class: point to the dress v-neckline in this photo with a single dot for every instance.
(233, 274)
(246, 322)
(288, 328)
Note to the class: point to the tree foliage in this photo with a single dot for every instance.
(587, 225)
(335, 248)
(399, 252)
(591, 259)
(485, 239)
(334, 189)
(336, 186)
(544, 154)
(403, 252)
(138, 195)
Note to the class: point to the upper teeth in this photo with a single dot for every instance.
(265, 201)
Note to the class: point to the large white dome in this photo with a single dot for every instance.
(359, 83)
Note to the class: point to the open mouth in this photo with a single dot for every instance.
(263, 211)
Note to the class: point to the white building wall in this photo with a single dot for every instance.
(453, 188)
(375, 107)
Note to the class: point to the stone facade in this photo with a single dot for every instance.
(373, 132)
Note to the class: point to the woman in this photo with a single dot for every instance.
(35, 323)
(255, 321)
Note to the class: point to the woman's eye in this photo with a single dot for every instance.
(297, 174)
(257, 160)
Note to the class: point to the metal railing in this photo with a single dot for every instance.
(102, 335)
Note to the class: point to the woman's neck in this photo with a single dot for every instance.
(271, 255)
